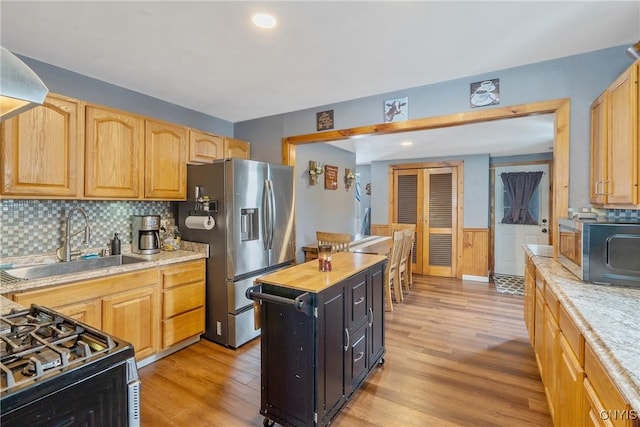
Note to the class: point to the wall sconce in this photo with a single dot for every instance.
(349, 177)
(315, 170)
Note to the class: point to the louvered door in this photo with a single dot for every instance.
(408, 197)
(440, 224)
(428, 197)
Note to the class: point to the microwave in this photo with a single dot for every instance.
(602, 252)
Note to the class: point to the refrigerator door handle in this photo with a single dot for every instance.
(265, 215)
(272, 209)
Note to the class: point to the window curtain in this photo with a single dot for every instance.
(520, 187)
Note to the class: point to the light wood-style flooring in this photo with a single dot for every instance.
(457, 354)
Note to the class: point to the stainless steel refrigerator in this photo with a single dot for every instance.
(252, 204)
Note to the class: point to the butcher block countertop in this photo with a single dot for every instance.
(307, 277)
(190, 251)
(607, 317)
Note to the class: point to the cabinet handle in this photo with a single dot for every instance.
(371, 316)
(360, 301)
(596, 189)
(346, 347)
(360, 355)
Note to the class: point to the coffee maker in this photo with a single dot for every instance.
(145, 236)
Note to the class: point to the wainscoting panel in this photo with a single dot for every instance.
(475, 254)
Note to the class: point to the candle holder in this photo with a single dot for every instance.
(324, 257)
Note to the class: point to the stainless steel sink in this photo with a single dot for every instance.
(59, 268)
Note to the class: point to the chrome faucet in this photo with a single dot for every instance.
(64, 253)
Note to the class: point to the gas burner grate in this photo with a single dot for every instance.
(38, 342)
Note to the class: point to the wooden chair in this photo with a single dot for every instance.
(339, 241)
(381, 230)
(391, 276)
(404, 268)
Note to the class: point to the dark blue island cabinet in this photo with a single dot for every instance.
(322, 334)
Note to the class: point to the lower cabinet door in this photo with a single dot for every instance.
(86, 312)
(133, 316)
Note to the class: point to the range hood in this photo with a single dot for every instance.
(20, 88)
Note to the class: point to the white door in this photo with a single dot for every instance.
(509, 238)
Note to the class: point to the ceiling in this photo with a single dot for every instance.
(506, 137)
(207, 56)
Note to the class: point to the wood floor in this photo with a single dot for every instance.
(457, 355)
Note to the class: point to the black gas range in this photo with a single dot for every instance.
(55, 371)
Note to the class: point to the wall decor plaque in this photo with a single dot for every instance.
(330, 177)
(396, 110)
(324, 120)
(485, 93)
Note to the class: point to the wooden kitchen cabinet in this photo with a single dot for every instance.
(132, 316)
(114, 154)
(550, 358)
(236, 148)
(569, 398)
(603, 403)
(599, 183)
(165, 161)
(538, 333)
(205, 147)
(89, 312)
(125, 305)
(42, 150)
(578, 388)
(183, 305)
(529, 297)
(618, 113)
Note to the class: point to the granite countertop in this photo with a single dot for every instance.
(306, 277)
(607, 317)
(189, 251)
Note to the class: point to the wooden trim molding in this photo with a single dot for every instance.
(560, 107)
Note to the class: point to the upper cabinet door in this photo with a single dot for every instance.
(113, 154)
(41, 150)
(236, 148)
(205, 147)
(623, 138)
(165, 174)
(599, 183)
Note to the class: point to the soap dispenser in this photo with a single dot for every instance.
(115, 245)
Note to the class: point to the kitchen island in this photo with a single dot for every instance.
(322, 334)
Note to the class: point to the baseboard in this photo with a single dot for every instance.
(475, 278)
(163, 353)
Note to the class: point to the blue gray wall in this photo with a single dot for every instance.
(319, 209)
(580, 78)
(65, 82)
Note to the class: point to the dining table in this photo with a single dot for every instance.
(360, 243)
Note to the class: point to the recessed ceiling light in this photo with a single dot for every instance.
(264, 20)
(406, 143)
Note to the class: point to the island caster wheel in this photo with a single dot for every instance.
(381, 362)
(268, 423)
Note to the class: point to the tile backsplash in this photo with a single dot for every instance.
(622, 213)
(31, 227)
